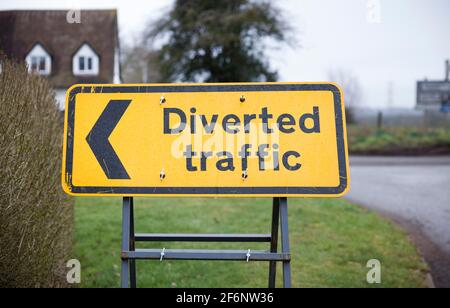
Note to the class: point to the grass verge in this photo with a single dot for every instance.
(331, 242)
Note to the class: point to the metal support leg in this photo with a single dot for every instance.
(126, 219)
(285, 242)
(274, 240)
(279, 221)
(132, 246)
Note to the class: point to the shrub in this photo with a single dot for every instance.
(398, 140)
(36, 217)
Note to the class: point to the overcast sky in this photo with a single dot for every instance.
(382, 42)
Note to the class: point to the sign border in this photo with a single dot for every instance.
(291, 191)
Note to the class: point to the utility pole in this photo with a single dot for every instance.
(390, 94)
(447, 70)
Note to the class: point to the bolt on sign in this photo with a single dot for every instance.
(226, 140)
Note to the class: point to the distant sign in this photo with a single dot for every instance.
(445, 108)
(433, 94)
(261, 139)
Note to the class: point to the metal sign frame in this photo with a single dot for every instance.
(130, 253)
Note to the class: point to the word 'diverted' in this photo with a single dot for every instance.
(253, 139)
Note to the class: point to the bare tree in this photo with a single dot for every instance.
(139, 64)
(351, 87)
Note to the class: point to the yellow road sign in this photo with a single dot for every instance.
(248, 139)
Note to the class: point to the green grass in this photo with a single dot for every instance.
(398, 140)
(331, 242)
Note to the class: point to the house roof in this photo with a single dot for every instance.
(20, 31)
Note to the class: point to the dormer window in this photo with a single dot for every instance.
(38, 64)
(39, 60)
(85, 62)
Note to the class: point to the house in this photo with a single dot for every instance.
(65, 52)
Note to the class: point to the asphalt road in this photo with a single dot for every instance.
(415, 193)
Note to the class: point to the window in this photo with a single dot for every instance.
(42, 64)
(90, 64)
(38, 64)
(34, 66)
(39, 61)
(81, 63)
(86, 62)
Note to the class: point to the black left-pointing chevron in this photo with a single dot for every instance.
(100, 145)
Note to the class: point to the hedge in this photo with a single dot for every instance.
(36, 217)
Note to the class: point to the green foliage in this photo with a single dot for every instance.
(331, 242)
(35, 215)
(398, 140)
(218, 41)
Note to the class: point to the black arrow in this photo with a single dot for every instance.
(99, 143)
